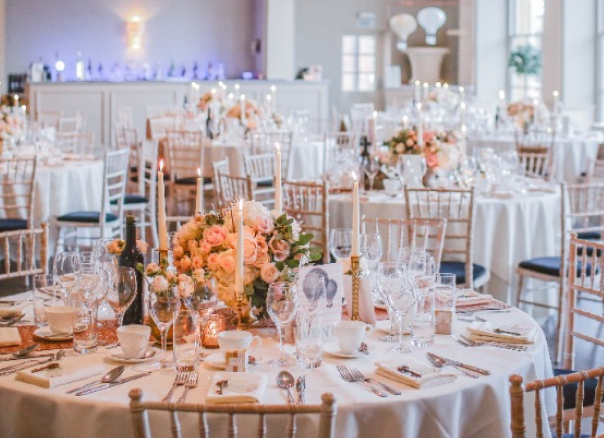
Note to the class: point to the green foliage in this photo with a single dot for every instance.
(526, 60)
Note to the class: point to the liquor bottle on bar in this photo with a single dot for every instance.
(130, 257)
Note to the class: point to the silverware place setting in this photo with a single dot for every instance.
(348, 376)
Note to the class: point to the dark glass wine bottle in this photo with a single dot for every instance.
(130, 257)
(209, 132)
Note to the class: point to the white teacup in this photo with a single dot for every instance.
(349, 335)
(392, 186)
(60, 319)
(134, 339)
(237, 339)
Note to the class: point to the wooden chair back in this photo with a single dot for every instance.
(17, 179)
(233, 188)
(595, 169)
(424, 234)
(218, 168)
(160, 126)
(518, 390)
(20, 247)
(125, 116)
(308, 202)
(535, 149)
(185, 151)
(457, 207)
(326, 412)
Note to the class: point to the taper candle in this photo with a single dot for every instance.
(199, 197)
(239, 267)
(278, 195)
(356, 217)
(161, 209)
(420, 125)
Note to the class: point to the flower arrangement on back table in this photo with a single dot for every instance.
(274, 246)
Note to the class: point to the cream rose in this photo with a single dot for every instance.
(178, 251)
(152, 269)
(215, 235)
(213, 262)
(269, 273)
(159, 283)
(279, 248)
(249, 251)
(262, 259)
(226, 261)
(142, 246)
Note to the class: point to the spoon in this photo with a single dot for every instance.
(439, 363)
(286, 381)
(109, 377)
(25, 351)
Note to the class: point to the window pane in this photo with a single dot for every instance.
(366, 82)
(367, 44)
(367, 64)
(348, 64)
(348, 44)
(348, 82)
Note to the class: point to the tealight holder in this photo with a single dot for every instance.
(354, 268)
(216, 324)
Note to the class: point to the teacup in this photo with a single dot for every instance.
(349, 335)
(60, 319)
(133, 339)
(392, 186)
(237, 339)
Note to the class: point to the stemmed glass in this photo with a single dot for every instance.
(281, 305)
(340, 243)
(204, 301)
(66, 266)
(394, 286)
(121, 291)
(371, 249)
(372, 168)
(161, 307)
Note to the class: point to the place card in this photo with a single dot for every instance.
(322, 290)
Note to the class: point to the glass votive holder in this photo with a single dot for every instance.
(216, 323)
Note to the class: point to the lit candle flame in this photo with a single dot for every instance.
(198, 172)
(161, 165)
(418, 105)
(501, 94)
(213, 90)
(417, 83)
(273, 88)
(556, 93)
(243, 97)
(237, 86)
(461, 89)
(269, 97)
(354, 176)
(462, 105)
(277, 146)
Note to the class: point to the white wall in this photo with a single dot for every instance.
(280, 37)
(181, 30)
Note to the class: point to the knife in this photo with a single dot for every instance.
(464, 365)
(30, 363)
(9, 358)
(111, 385)
(300, 388)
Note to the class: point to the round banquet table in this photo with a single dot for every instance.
(571, 154)
(508, 228)
(465, 407)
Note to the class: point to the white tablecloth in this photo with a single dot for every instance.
(571, 154)
(506, 231)
(464, 408)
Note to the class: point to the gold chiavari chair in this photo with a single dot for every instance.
(457, 207)
(160, 126)
(308, 203)
(233, 188)
(561, 383)
(535, 149)
(18, 176)
(595, 170)
(20, 247)
(424, 234)
(219, 167)
(582, 211)
(325, 411)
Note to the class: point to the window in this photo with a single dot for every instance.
(358, 63)
(526, 31)
(600, 61)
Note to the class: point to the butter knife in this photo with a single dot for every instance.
(111, 385)
(300, 388)
(464, 365)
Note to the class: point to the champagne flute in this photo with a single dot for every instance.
(66, 266)
(121, 291)
(340, 243)
(161, 307)
(371, 249)
(372, 168)
(281, 305)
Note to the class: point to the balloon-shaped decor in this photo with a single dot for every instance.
(403, 25)
(431, 19)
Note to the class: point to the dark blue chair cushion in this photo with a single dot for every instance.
(89, 217)
(265, 184)
(589, 235)
(12, 224)
(548, 266)
(570, 390)
(133, 199)
(191, 181)
(459, 269)
(569, 435)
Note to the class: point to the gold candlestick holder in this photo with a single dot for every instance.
(239, 311)
(354, 268)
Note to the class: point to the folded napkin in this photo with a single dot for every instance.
(241, 388)
(9, 336)
(10, 313)
(487, 331)
(430, 376)
(468, 297)
(66, 373)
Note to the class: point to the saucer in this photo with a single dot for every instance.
(156, 353)
(384, 325)
(45, 334)
(216, 360)
(332, 349)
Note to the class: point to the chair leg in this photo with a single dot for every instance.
(520, 288)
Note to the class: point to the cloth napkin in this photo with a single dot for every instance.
(485, 331)
(468, 297)
(66, 373)
(10, 313)
(430, 376)
(9, 336)
(241, 388)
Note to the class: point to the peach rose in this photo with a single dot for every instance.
(226, 261)
(262, 259)
(152, 269)
(169, 275)
(192, 246)
(199, 275)
(159, 283)
(215, 235)
(116, 246)
(249, 275)
(269, 273)
(231, 241)
(142, 246)
(212, 261)
(249, 251)
(185, 263)
(197, 262)
(261, 245)
(178, 251)
(205, 247)
(279, 248)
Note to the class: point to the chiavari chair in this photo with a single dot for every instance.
(18, 176)
(595, 170)
(49, 119)
(233, 188)
(535, 149)
(265, 143)
(261, 168)
(219, 167)
(20, 247)
(71, 125)
(125, 116)
(308, 203)
(337, 145)
(80, 143)
(326, 412)
(423, 234)
(457, 207)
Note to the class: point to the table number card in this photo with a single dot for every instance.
(322, 289)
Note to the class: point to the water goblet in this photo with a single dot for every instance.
(162, 306)
(372, 168)
(371, 249)
(340, 243)
(66, 266)
(121, 291)
(281, 305)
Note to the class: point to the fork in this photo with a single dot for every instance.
(358, 374)
(27, 364)
(190, 383)
(179, 380)
(52, 365)
(472, 343)
(348, 377)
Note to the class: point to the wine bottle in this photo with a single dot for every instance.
(130, 257)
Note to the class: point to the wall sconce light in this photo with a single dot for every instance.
(135, 30)
(403, 25)
(431, 19)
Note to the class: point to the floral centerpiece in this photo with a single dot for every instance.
(208, 99)
(274, 246)
(12, 123)
(252, 113)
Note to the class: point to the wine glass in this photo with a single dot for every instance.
(340, 243)
(66, 266)
(161, 307)
(204, 301)
(371, 249)
(372, 168)
(281, 305)
(121, 291)
(401, 166)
